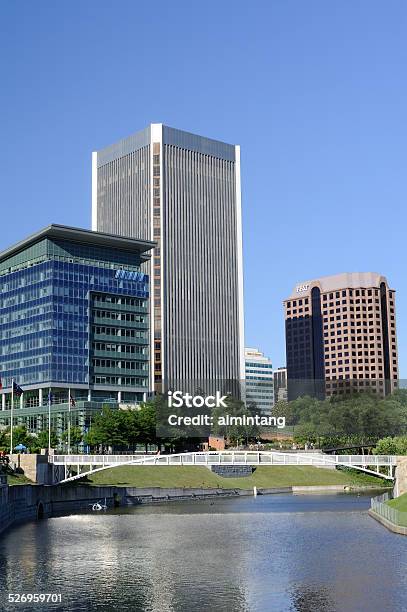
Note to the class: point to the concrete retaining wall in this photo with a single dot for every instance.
(388, 524)
(35, 467)
(29, 502)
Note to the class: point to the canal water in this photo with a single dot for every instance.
(270, 553)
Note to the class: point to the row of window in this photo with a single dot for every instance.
(117, 363)
(119, 332)
(127, 381)
(344, 293)
(121, 300)
(364, 374)
(119, 316)
(120, 348)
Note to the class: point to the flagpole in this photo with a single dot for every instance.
(49, 421)
(11, 416)
(69, 422)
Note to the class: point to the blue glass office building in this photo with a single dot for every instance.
(74, 315)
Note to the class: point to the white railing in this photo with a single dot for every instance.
(228, 458)
(380, 507)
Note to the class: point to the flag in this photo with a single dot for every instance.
(17, 390)
(73, 403)
(1, 384)
(49, 397)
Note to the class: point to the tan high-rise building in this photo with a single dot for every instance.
(341, 333)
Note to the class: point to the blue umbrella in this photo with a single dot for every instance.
(20, 447)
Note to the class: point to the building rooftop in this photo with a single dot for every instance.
(345, 280)
(170, 136)
(82, 236)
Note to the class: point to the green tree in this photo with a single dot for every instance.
(5, 439)
(21, 436)
(41, 440)
(76, 436)
(234, 432)
(391, 446)
(146, 423)
(284, 409)
(108, 428)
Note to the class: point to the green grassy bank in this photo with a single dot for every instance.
(18, 479)
(400, 503)
(196, 477)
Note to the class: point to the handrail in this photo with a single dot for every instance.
(393, 515)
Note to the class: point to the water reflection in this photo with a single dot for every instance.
(274, 553)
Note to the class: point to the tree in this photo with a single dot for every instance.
(21, 436)
(358, 418)
(400, 396)
(123, 428)
(108, 428)
(4, 439)
(75, 436)
(42, 439)
(283, 409)
(234, 431)
(391, 446)
(146, 423)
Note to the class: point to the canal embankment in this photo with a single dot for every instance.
(392, 513)
(32, 502)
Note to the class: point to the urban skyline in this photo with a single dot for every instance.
(202, 326)
(147, 229)
(120, 198)
(316, 152)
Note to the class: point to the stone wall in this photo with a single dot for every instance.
(29, 502)
(401, 476)
(35, 467)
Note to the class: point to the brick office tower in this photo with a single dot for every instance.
(341, 334)
(182, 191)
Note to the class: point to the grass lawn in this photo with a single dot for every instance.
(18, 479)
(263, 477)
(400, 503)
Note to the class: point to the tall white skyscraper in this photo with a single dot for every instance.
(183, 192)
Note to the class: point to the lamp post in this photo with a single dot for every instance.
(69, 422)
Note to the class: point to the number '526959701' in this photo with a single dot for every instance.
(34, 597)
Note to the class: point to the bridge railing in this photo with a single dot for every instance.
(380, 506)
(229, 458)
(93, 459)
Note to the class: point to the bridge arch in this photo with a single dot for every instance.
(369, 464)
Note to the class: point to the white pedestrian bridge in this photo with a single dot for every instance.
(73, 467)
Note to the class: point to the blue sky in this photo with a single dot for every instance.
(314, 92)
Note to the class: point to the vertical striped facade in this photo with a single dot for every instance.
(183, 192)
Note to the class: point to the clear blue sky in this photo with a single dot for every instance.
(314, 92)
